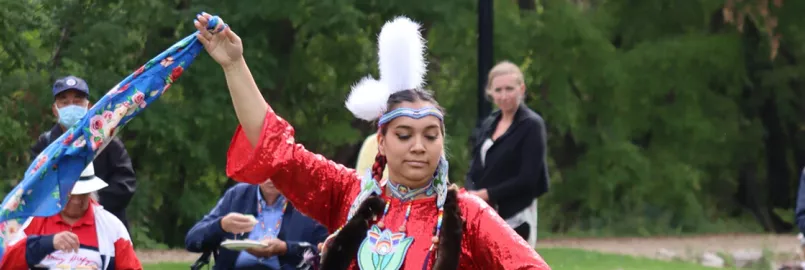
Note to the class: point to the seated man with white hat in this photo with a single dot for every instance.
(82, 236)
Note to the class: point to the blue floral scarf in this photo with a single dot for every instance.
(50, 177)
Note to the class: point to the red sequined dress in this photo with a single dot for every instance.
(324, 191)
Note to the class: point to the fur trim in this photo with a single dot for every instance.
(452, 232)
(401, 55)
(343, 248)
(401, 60)
(341, 251)
(368, 99)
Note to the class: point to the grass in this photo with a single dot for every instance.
(576, 259)
(169, 266)
(558, 259)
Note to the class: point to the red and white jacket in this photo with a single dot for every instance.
(105, 244)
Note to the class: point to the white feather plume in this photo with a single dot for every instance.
(401, 51)
(368, 99)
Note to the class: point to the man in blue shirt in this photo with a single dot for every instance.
(257, 213)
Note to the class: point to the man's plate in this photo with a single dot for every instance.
(242, 244)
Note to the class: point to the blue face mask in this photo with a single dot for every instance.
(71, 114)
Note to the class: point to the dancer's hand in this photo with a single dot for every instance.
(483, 194)
(323, 246)
(225, 47)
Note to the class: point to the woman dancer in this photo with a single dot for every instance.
(411, 220)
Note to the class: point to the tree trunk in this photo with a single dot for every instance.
(529, 5)
(762, 199)
(55, 59)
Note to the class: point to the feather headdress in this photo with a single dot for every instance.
(401, 58)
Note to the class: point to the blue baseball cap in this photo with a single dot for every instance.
(70, 83)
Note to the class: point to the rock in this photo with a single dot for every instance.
(665, 254)
(790, 266)
(747, 257)
(711, 260)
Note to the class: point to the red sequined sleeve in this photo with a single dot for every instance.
(317, 187)
(493, 244)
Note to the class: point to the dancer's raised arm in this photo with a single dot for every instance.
(227, 49)
(263, 146)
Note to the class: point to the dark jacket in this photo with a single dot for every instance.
(113, 165)
(299, 232)
(516, 170)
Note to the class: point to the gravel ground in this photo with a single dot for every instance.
(157, 256)
(649, 247)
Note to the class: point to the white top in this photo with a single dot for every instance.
(484, 148)
(528, 215)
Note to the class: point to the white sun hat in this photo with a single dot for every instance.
(88, 182)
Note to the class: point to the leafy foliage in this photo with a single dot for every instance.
(664, 116)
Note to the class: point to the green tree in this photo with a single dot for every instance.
(663, 116)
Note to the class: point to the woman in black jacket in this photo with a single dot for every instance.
(508, 168)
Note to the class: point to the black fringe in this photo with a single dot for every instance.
(452, 232)
(344, 247)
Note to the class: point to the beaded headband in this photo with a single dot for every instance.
(413, 113)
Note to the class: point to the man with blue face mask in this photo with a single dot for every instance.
(71, 102)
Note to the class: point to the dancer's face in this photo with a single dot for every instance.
(412, 146)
